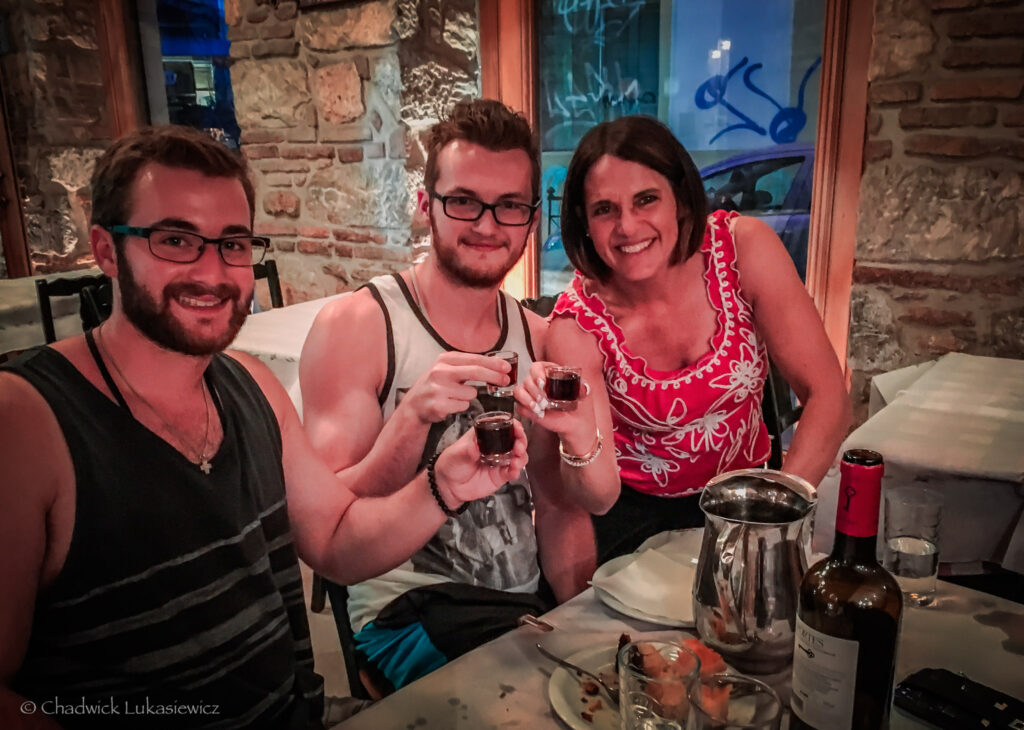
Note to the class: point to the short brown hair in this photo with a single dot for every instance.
(648, 142)
(173, 146)
(491, 125)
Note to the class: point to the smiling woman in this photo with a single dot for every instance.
(657, 313)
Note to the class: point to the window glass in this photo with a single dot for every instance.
(736, 81)
(194, 57)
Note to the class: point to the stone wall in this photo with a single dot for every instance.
(332, 104)
(56, 103)
(940, 258)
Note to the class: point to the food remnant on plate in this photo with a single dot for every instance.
(711, 662)
(594, 706)
(587, 716)
(590, 687)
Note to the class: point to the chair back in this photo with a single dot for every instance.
(778, 411)
(541, 305)
(95, 294)
(339, 607)
(268, 270)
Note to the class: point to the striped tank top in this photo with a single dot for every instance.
(180, 602)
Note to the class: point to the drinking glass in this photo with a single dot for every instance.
(911, 527)
(733, 702)
(512, 358)
(495, 437)
(654, 680)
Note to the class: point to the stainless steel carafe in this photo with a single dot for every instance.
(754, 554)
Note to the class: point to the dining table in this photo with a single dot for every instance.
(505, 683)
(954, 426)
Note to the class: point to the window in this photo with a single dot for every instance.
(508, 35)
(185, 52)
(736, 83)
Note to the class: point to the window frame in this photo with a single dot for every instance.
(508, 72)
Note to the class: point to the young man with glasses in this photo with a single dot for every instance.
(148, 564)
(396, 371)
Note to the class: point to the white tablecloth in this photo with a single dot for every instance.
(276, 338)
(503, 684)
(958, 428)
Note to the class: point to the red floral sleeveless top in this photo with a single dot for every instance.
(674, 430)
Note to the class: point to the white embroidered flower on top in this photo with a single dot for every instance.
(708, 432)
(745, 374)
(650, 463)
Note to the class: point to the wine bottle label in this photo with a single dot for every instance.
(824, 675)
(859, 495)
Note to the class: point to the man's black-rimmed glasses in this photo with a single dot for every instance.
(505, 212)
(184, 248)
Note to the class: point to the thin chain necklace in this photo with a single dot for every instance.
(203, 459)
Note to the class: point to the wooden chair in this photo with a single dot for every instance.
(353, 667)
(95, 295)
(778, 411)
(268, 270)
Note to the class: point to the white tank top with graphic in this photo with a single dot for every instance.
(493, 543)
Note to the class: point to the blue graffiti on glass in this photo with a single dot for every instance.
(784, 126)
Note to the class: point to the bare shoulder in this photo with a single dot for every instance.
(266, 380)
(567, 343)
(349, 332)
(762, 260)
(757, 244)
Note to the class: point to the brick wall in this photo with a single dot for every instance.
(56, 104)
(332, 105)
(940, 259)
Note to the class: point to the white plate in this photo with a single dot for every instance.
(681, 545)
(565, 690)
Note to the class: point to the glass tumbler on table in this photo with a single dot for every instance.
(912, 519)
(655, 678)
(733, 702)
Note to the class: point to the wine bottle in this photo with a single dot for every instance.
(848, 616)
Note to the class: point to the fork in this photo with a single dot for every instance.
(613, 694)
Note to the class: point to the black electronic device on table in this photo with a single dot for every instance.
(954, 702)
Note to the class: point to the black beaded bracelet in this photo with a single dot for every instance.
(432, 480)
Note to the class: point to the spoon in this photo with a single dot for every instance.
(613, 694)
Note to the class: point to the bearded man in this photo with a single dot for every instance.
(397, 370)
(155, 492)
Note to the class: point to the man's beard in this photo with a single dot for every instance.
(448, 260)
(154, 319)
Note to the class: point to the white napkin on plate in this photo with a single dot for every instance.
(654, 584)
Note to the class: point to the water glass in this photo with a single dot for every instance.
(654, 682)
(733, 702)
(911, 527)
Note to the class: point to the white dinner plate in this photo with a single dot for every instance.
(680, 545)
(565, 690)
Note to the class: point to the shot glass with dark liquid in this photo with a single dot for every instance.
(495, 437)
(562, 387)
(512, 358)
